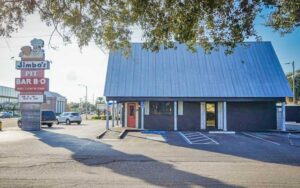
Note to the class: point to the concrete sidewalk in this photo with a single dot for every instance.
(292, 126)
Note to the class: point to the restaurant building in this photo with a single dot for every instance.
(176, 89)
(54, 102)
(8, 99)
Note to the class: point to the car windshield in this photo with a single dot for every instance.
(75, 114)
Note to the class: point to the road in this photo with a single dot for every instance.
(71, 156)
(8, 122)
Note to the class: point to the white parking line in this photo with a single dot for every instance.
(248, 134)
(185, 138)
(197, 138)
(290, 140)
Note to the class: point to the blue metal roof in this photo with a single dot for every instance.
(251, 71)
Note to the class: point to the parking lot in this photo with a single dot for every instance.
(186, 138)
(146, 159)
(197, 137)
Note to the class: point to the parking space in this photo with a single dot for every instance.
(157, 136)
(275, 138)
(270, 138)
(294, 139)
(197, 138)
(239, 140)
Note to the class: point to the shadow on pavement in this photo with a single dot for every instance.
(240, 145)
(93, 153)
(45, 127)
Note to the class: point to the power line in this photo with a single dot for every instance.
(8, 46)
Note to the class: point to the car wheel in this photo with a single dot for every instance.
(19, 124)
(68, 122)
(49, 124)
(79, 122)
(57, 122)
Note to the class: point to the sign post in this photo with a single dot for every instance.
(32, 84)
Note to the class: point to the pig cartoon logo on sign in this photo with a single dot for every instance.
(35, 52)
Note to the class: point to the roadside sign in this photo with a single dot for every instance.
(36, 73)
(32, 65)
(31, 84)
(101, 107)
(31, 98)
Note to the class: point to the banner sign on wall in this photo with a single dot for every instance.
(32, 65)
(31, 98)
(31, 84)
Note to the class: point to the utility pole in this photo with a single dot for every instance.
(93, 102)
(80, 107)
(293, 77)
(294, 90)
(86, 93)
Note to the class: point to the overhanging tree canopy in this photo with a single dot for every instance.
(109, 23)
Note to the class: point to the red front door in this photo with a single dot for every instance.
(131, 115)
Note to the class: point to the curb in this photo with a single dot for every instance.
(287, 131)
(101, 134)
(124, 132)
(221, 132)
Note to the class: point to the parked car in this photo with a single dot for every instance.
(68, 118)
(47, 118)
(6, 114)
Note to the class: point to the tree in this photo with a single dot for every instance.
(289, 77)
(100, 100)
(73, 106)
(110, 23)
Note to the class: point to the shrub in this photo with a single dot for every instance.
(101, 117)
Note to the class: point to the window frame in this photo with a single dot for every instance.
(161, 113)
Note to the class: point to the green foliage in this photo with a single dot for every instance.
(100, 100)
(101, 117)
(286, 15)
(109, 23)
(297, 82)
(96, 117)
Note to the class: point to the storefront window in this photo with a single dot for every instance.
(161, 108)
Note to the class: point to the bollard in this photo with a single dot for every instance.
(0, 125)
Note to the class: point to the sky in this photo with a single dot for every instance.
(72, 66)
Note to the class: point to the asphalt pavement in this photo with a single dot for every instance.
(71, 156)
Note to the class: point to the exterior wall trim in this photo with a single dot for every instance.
(200, 99)
(125, 115)
(175, 115)
(203, 116)
(220, 116)
(224, 116)
(137, 115)
(283, 128)
(142, 114)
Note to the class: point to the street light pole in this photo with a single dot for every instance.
(293, 77)
(294, 90)
(80, 107)
(86, 93)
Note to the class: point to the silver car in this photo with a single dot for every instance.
(68, 118)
